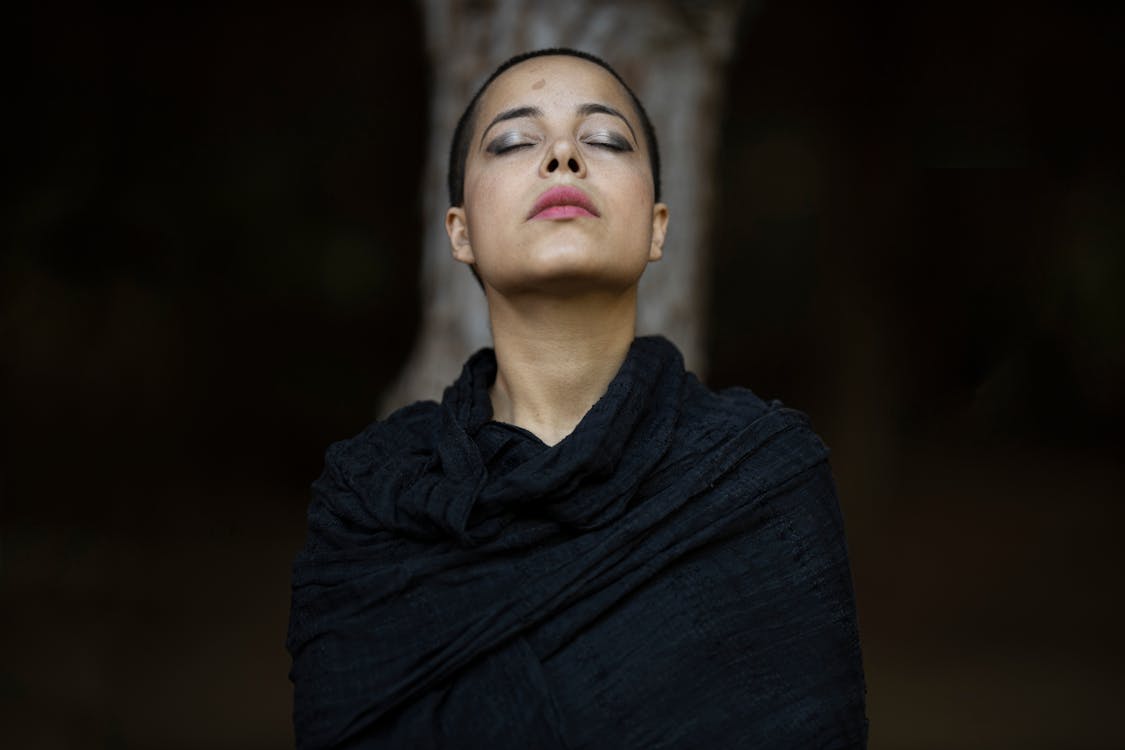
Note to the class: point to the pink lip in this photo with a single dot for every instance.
(563, 202)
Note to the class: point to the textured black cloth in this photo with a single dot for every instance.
(672, 574)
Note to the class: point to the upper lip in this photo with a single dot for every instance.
(563, 195)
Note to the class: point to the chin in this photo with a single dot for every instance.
(572, 279)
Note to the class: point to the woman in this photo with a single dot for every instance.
(581, 546)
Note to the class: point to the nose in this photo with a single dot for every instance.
(562, 155)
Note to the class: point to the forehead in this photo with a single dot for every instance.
(553, 79)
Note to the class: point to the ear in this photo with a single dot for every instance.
(458, 230)
(659, 229)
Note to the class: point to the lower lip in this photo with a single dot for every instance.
(562, 212)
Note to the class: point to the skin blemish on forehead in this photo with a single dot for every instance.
(539, 84)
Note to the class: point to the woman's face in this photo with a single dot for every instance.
(558, 187)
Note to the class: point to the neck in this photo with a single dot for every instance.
(556, 357)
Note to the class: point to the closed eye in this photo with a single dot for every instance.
(610, 141)
(508, 142)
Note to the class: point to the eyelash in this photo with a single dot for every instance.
(612, 141)
(499, 149)
(506, 143)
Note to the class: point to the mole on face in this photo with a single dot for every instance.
(539, 84)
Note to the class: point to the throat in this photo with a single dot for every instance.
(549, 395)
(556, 358)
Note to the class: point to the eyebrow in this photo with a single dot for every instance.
(592, 108)
(511, 114)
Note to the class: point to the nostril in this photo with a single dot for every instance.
(553, 165)
(573, 165)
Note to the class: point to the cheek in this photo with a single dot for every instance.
(489, 187)
(492, 200)
(485, 218)
(636, 182)
(638, 188)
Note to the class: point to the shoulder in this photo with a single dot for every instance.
(780, 452)
(405, 431)
(353, 498)
(739, 403)
(738, 410)
(734, 435)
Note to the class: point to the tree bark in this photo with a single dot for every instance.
(673, 55)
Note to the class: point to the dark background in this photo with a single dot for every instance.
(212, 227)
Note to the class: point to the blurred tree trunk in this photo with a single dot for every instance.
(673, 55)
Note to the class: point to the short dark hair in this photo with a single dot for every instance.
(459, 151)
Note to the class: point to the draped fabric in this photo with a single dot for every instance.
(672, 574)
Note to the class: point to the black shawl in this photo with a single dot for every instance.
(672, 574)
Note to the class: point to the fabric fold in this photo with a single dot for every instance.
(443, 547)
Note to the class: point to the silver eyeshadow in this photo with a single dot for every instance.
(508, 141)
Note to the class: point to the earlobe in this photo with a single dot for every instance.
(659, 229)
(458, 230)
